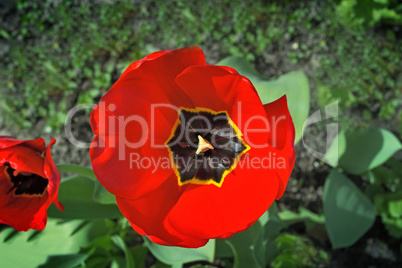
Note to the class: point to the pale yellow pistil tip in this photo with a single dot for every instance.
(203, 145)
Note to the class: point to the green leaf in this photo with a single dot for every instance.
(177, 255)
(101, 195)
(395, 208)
(243, 245)
(160, 264)
(120, 243)
(294, 84)
(75, 193)
(349, 214)
(64, 261)
(56, 239)
(309, 218)
(139, 254)
(297, 251)
(274, 224)
(389, 206)
(358, 152)
(222, 249)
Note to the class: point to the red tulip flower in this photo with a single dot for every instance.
(29, 182)
(189, 150)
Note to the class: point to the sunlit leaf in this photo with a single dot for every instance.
(56, 239)
(358, 152)
(349, 214)
(177, 255)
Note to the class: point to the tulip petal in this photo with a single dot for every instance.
(37, 145)
(23, 158)
(281, 138)
(52, 173)
(209, 211)
(21, 212)
(126, 115)
(147, 215)
(122, 167)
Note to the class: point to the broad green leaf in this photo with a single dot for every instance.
(101, 195)
(243, 246)
(177, 255)
(120, 243)
(64, 261)
(56, 239)
(139, 254)
(294, 84)
(274, 224)
(271, 228)
(222, 249)
(75, 193)
(349, 214)
(358, 152)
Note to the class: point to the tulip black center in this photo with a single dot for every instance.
(205, 146)
(26, 183)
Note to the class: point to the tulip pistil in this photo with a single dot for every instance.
(204, 146)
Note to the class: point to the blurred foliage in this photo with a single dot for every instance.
(297, 251)
(61, 54)
(68, 52)
(369, 12)
(385, 189)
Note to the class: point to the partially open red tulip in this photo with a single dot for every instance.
(188, 148)
(29, 182)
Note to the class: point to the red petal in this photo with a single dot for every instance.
(130, 107)
(52, 173)
(23, 158)
(248, 191)
(162, 68)
(212, 212)
(37, 145)
(281, 139)
(220, 89)
(190, 52)
(22, 212)
(123, 169)
(209, 86)
(147, 215)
